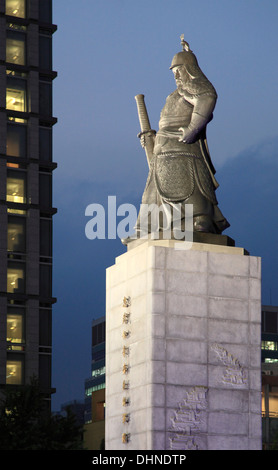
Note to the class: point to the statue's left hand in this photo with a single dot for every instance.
(188, 135)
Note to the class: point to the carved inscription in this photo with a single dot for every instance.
(126, 366)
(189, 420)
(234, 374)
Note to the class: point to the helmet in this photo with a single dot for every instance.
(186, 57)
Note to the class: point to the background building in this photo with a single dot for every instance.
(270, 374)
(26, 210)
(94, 415)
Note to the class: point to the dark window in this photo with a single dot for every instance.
(16, 234)
(45, 11)
(45, 331)
(45, 280)
(45, 190)
(45, 237)
(270, 322)
(98, 334)
(45, 55)
(45, 144)
(45, 370)
(46, 99)
(16, 140)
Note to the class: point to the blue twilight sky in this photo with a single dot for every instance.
(106, 52)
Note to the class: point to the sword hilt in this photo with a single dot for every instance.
(142, 113)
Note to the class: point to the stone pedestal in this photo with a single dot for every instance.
(183, 358)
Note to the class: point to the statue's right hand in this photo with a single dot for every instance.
(145, 136)
(143, 140)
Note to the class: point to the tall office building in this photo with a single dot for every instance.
(26, 210)
(94, 413)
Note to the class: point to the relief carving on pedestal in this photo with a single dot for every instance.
(189, 420)
(234, 374)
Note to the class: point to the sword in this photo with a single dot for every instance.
(145, 127)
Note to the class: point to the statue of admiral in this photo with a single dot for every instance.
(180, 166)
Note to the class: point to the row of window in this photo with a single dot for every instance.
(16, 338)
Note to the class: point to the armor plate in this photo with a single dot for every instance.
(174, 177)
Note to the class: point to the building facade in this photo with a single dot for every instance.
(94, 415)
(270, 375)
(26, 211)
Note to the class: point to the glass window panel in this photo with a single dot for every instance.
(16, 95)
(16, 211)
(16, 234)
(45, 11)
(15, 48)
(45, 237)
(45, 370)
(271, 322)
(15, 327)
(45, 280)
(16, 119)
(45, 190)
(16, 278)
(45, 330)
(16, 187)
(16, 140)
(14, 371)
(45, 91)
(16, 8)
(45, 55)
(45, 144)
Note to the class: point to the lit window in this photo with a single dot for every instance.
(14, 371)
(16, 278)
(15, 327)
(16, 187)
(16, 95)
(97, 372)
(270, 345)
(15, 48)
(16, 140)
(16, 119)
(16, 234)
(15, 211)
(15, 8)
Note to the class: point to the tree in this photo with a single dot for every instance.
(26, 425)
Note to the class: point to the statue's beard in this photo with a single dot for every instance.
(183, 88)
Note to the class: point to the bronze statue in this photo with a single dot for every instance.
(180, 167)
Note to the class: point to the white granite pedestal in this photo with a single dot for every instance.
(183, 357)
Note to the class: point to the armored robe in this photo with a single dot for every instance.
(182, 172)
